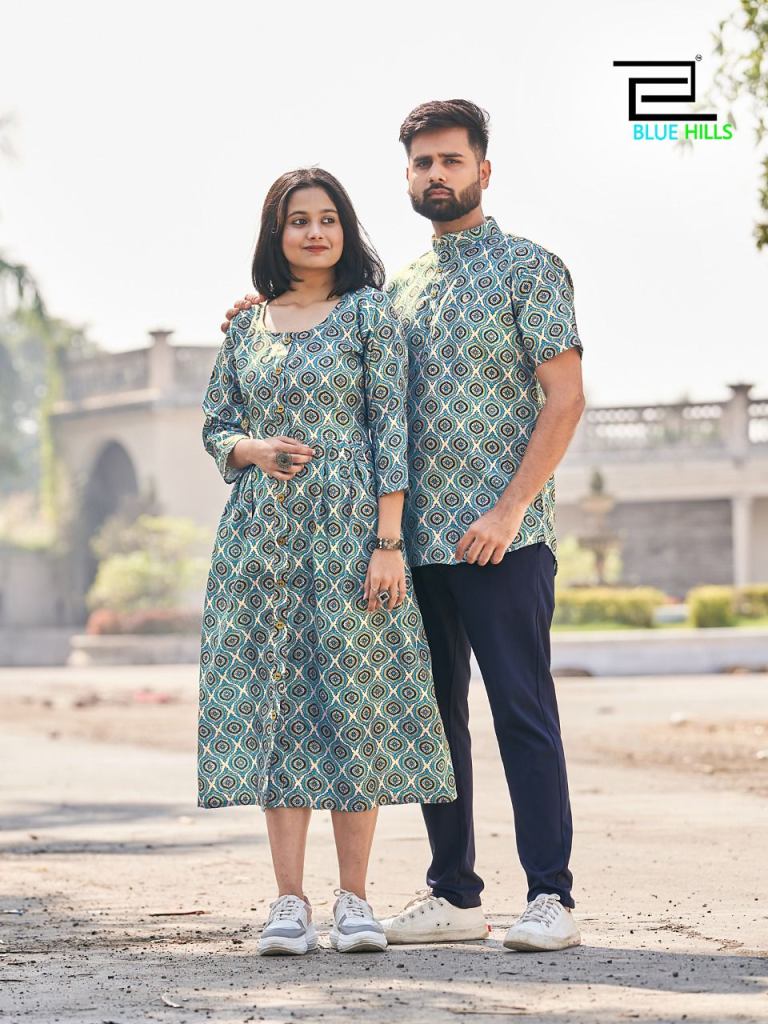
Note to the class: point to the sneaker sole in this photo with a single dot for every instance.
(373, 942)
(530, 946)
(286, 947)
(454, 935)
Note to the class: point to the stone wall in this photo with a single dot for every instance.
(673, 545)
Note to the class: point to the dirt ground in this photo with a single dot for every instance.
(121, 901)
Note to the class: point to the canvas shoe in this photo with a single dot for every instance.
(545, 924)
(355, 929)
(429, 918)
(289, 929)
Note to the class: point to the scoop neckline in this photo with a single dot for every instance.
(307, 330)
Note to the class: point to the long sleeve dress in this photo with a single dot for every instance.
(307, 699)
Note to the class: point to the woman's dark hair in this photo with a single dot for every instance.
(448, 114)
(359, 264)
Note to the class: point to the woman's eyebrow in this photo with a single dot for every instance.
(295, 213)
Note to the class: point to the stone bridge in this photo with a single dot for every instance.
(687, 482)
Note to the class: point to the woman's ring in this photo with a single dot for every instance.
(284, 460)
(384, 596)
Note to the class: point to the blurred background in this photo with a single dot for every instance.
(136, 150)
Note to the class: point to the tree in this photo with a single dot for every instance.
(32, 348)
(741, 43)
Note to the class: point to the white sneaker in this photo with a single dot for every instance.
(289, 929)
(429, 918)
(545, 924)
(355, 929)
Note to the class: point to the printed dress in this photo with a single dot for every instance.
(306, 698)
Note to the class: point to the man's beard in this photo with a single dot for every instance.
(450, 207)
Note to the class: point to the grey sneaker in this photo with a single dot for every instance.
(355, 929)
(289, 929)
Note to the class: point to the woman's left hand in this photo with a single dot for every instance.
(386, 571)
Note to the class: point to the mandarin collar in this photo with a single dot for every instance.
(454, 242)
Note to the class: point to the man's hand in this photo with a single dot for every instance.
(246, 303)
(488, 537)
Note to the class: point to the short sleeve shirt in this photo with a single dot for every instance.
(480, 312)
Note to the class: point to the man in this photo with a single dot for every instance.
(495, 394)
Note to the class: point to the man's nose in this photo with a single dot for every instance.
(436, 173)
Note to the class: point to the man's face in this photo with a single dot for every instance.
(445, 176)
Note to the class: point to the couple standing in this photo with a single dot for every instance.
(323, 683)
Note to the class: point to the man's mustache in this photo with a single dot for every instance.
(438, 188)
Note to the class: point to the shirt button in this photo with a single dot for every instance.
(277, 675)
(280, 583)
(287, 341)
(280, 408)
(279, 624)
(281, 541)
(281, 498)
(273, 714)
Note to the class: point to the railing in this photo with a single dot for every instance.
(736, 427)
(107, 374)
(758, 422)
(698, 425)
(192, 367)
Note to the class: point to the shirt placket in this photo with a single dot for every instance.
(282, 609)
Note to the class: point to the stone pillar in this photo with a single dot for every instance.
(161, 361)
(736, 421)
(741, 531)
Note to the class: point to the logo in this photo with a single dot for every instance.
(658, 92)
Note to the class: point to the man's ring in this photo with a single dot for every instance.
(384, 596)
(284, 460)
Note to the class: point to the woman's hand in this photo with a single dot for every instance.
(386, 571)
(265, 449)
(241, 304)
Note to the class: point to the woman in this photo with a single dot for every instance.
(315, 676)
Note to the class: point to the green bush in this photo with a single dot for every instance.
(629, 606)
(752, 601)
(711, 606)
(148, 564)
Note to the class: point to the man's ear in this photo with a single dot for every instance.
(485, 173)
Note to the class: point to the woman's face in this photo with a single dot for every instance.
(313, 238)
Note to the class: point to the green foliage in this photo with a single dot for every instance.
(576, 565)
(629, 606)
(741, 43)
(752, 601)
(711, 606)
(146, 564)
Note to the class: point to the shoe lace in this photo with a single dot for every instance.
(285, 907)
(544, 908)
(352, 904)
(421, 897)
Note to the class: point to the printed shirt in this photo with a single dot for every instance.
(480, 312)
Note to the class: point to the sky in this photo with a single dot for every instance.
(147, 135)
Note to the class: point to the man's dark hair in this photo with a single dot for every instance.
(448, 114)
(359, 264)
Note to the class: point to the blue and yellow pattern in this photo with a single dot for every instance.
(480, 312)
(307, 699)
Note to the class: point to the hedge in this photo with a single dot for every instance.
(630, 606)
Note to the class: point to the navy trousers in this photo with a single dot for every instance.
(503, 613)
